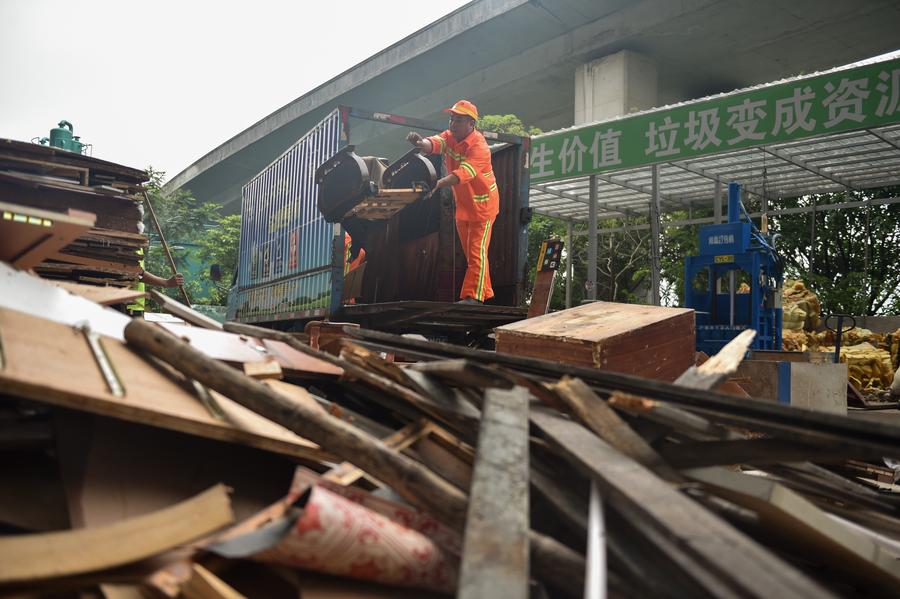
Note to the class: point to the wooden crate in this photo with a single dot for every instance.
(647, 341)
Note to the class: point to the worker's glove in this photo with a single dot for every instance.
(414, 138)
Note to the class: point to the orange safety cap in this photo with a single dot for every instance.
(465, 108)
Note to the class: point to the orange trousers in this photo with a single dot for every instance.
(475, 237)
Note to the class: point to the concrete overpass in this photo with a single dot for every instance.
(557, 63)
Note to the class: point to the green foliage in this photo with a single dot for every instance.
(676, 244)
(855, 258)
(219, 245)
(506, 123)
(185, 221)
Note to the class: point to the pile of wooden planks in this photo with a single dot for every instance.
(390, 466)
(62, 185)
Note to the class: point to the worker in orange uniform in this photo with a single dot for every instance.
(351, 263)
(468, 161)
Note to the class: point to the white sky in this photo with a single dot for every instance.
(163, 82)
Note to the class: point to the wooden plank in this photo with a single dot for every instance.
(185, 312)
(267, 369)
(51, 363)
(346, 474)
(203, 584)
(730, 563)
(29, 558)
(593, 412)
(495, 547)
(105, 296)
(714, 371)
(63, 256)
(807, 529)
(28, 235)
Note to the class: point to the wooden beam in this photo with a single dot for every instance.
(495, 547)
(593, 412)
(714, 371)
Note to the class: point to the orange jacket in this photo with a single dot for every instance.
(477, 197)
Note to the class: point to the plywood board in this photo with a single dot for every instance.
(106, 296)
(28, 235)
(230, 347)
(26, 293)
(648, 341)
(52, 363)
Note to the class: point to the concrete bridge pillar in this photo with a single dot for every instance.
(614, 85)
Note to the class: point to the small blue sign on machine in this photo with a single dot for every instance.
(730, 238)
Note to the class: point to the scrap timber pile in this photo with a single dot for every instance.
(74, 217)
(185, 461)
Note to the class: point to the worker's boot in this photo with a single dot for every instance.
(470, 301)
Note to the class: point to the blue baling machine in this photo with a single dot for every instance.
(735, 282)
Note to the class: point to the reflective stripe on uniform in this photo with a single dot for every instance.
(482, 198)
(488, 174)
(454, 155)
(441, 141)
(482, 252)
(469, 169)
(492, 187)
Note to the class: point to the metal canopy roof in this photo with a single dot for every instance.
(853, 159)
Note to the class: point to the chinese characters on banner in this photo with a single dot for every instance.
(867, 96)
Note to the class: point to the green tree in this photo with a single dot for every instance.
(185, 221)
(219, 245)
(506, 123)
(853, 264)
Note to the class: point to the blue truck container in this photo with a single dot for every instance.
(291, 260)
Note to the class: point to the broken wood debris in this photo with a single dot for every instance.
(515, 455)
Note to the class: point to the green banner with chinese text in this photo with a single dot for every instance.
(857, 98)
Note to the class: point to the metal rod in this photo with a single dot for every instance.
(731, 293)
(595, 577)
(717, 202)
(592, 241)
(165, 245)
(654, 238)
(570, 260)
(781, 212)
(812, 240)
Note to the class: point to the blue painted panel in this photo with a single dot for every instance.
(784, 383)
(285, 265)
